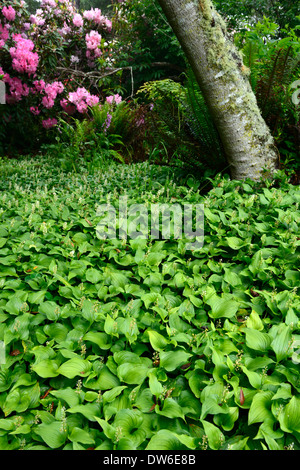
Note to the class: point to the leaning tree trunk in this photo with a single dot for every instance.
(223, 79)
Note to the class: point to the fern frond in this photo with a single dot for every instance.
(201, 125)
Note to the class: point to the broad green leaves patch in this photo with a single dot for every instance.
(131, 344)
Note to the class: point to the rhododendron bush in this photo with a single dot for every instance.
(35, 51)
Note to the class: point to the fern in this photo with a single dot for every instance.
(202, 127)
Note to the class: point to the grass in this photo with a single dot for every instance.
(142, 344)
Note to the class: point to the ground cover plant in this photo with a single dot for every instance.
(142, 344)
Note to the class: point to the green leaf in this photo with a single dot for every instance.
(171, 360)
(110, 395)
(50, 309)
(89, 410)
(68, 395)
(210, 406)
(46, 368)
(23, 429)
(155, 386)
(165, 440)
(99, 338)
(228, 419)
(171, 409)
(131, 424)
(57, 331)
(257, 340)
(157, 341)
(52, 433)
(80, 435)
(132, 373)
(260, 407)
(37, 297)
(74, 367)
(253, 377)
(106, 380)
(281, 343)
(111, 326)
(214, 435)
(289, 418)
(108, 429)
(224, 306)
(254, 321)
(93, 276)
(14, 305)
(283, 392)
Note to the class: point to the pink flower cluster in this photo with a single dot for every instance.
(78, 20)
(48, 123)
(93, 41)
(35, 110)
(37, 19)
(23, 59)
(51, 91)
(17, 89)
(4, 34)
(9, 13)
(114, 99)
(67, 107)
(96, 16)
(82, 99)
(25, 55)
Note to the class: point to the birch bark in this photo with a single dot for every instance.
(223, 79)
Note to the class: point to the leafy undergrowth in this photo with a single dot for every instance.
(140, 344)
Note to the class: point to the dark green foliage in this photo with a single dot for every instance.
(146, 42)
(180, 127)
(142, 344)
(275, 65)
(243, 12)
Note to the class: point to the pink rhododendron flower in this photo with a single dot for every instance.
(96, 16)
(67, 107)
(108, 24)
(24, 60)
(4, 33)
(78, 20)
(9, 13)
(51, 90)
(48, 123)
(92, 40)
(114, 99)
(35, 110)
(17, 89)
(81, 98)
(35, 19)
(92, 100)
(39, 85)
(51, 3)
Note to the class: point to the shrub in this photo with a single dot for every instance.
(36, 52)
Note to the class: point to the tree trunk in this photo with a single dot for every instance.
(223, 80)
